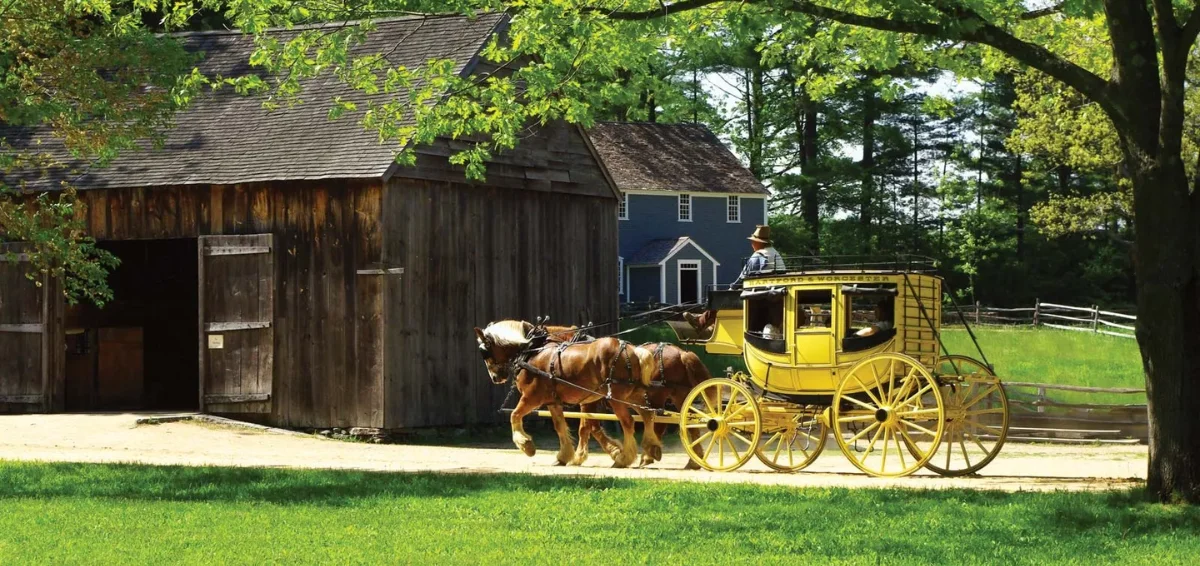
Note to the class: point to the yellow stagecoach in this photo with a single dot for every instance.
(852, 346)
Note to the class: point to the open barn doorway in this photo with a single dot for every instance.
(139, 351)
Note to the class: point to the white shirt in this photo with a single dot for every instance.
(769, 331)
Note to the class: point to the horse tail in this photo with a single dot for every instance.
(696, 370)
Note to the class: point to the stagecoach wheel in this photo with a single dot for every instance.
(795, 444)
(723, 422)
(885, 404)
(976, 417)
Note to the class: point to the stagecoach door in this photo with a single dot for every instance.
(237, 308)
(30, 309)
(812, 318)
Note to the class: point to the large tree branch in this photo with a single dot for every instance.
(1191, 28)
(1035, 14)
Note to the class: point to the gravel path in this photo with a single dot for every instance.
(117, 438)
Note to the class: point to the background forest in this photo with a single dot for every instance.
(1011, 182)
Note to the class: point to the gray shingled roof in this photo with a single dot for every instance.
(654, 251)
(670, 157)
(226, 138)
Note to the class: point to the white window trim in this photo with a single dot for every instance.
(621, 282)
(679, 207)
(737, 208)
(690, 265)
(766, 217)
(623, 206)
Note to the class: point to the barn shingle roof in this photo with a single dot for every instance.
(670, 157)
(227, 138)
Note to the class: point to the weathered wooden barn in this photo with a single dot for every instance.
(280, 266)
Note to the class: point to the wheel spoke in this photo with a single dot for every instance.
(887, 433)
(871, 445)
(856, 418)
(981, 396)
(899, 450)
(778, 448)
(701, 439)
(986, 428)
(860, 403)
(933, 411)
(708, 449)
(721, 450)
(863, 433)
(707, 405)
(866, 389)
(975, 439)
(742, 438)
(966, 457)
(949, 451)
(914, 396)
(919, 427)
(736, 455)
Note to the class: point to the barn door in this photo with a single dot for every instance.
(26, 353)
(237, 340)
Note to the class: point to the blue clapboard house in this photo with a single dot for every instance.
(688, 206)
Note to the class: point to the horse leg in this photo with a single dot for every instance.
(522, 440)
(625, 455)
(565, 454)
(686, 436)
(651, 444)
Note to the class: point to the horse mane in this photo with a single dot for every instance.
(508, 333)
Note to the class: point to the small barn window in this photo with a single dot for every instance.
(623, 207)
(734, 209)
(685, 207)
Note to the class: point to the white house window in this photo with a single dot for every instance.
(623, 207)
(734, 209)
(685, 207)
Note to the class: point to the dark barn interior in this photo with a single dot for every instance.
(140, 351)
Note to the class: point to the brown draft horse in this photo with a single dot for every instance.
(673, 372)
(583, 373)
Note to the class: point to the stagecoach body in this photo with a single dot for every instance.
(895, 393)
(819, 314)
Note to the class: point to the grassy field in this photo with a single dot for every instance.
(106, 514)
(1041, 356)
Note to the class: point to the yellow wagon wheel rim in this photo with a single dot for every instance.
(793, 447)
(888, 415)
(722, 424)
(976, 417)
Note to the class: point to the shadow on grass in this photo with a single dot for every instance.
(266, 485)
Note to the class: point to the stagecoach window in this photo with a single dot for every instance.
(814, 309)
(865, 311)
(763, 310)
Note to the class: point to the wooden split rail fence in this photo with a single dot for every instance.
(1037, 410)
(1063, 317)
(1034, 416)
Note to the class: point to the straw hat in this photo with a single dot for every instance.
(762, 234)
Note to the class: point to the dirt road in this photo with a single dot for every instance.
(117, 438)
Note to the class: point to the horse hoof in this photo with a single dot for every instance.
(645, 461)
(656, 453)
(691, 466)
(579, 459)
(559, 463)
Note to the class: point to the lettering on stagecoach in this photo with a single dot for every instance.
(822, 279)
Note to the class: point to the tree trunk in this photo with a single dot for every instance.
(1168, 325)
(867, 194)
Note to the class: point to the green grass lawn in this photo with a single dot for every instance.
(1042, 356)
(119, 514)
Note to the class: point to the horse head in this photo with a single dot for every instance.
(501, 345)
